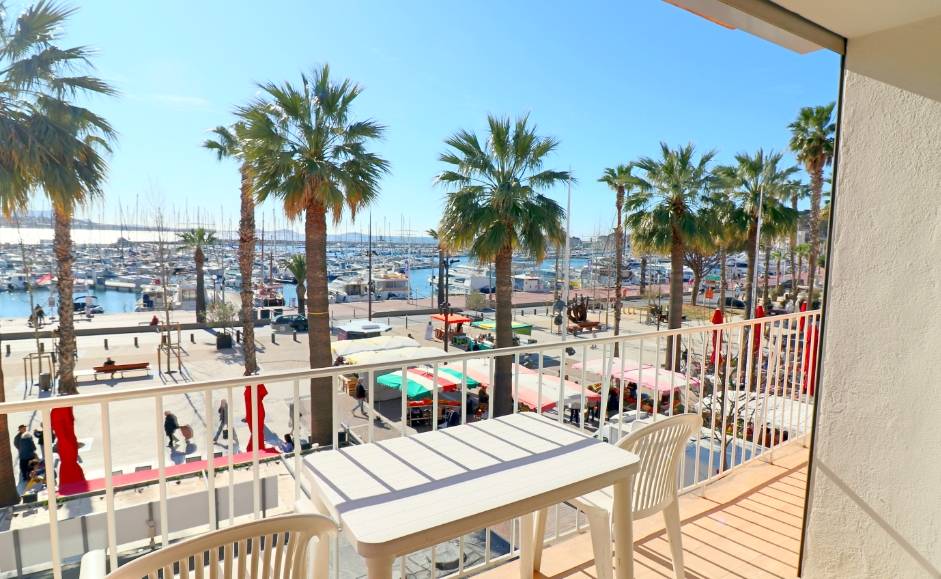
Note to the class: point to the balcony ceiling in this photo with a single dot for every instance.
(852, 18)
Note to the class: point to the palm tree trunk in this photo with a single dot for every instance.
(794, 269)
(676, 300)
(62, 247)
(750, 250)
(764, 293)
(301, 297)
(697, 282)
(200, 258)
(502, 393)
(318, 320)
(618, 263)
(816, 189)
(246, 261)
(8, 493)
(722, 281)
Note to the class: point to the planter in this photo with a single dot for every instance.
(223, 341)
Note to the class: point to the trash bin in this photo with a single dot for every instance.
(45, 381)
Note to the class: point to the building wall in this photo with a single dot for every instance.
(876, 479)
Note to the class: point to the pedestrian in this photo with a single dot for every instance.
(27, 450)
(38, 435)
(429, 332)
(361, 396)
(288, 444)
(40, 316)
(155, 321)
(223, 428)
(170, 426)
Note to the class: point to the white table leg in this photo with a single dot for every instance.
(539, 537)
(526, 546)
(623, 530)
(379, 567)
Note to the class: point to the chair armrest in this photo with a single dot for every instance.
(93, 565)
(306, 507)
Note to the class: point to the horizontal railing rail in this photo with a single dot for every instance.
(750, 380)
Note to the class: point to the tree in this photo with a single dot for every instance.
(812, 140)
(196, 239)
(495, 207)
(662, 216)
(49, 144)
(727, 228)
(433, 233)
(801, 251)
(297, 265)
(229, 144)
(701, 258)
(306, 152)
(798, 191)
(620, 180)
(757, 180)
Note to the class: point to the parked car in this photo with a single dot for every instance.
(290, 323)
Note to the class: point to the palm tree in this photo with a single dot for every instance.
(433, 233)
(778, 256)
(496, 206)
(229, 144)
(798, 190)
(297, 265)
(727, 227)
(306, 151)
(801, 251)
(757, 180)
(196, 239)
(620, 179)
(49, 144)
(662, 216)
(812, 138)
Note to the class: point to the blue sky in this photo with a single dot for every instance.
(608, 79)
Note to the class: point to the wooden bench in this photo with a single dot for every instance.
(113, 369)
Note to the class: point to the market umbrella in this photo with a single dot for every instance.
(260, 393)
(346, 347)
(659, 379)
(716, 336)
(454, 376)
(479, 370)
(619, 366)
(63, 427)
(810, 351)
(417, 385)
(528, 391)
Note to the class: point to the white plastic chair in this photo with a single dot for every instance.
(660, 446)
(274, 548)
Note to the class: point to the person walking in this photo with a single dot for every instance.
(361, 397)
(170, 426)
(223, 412)
(27, 448)
(429, 332)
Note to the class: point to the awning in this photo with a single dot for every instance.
(527, 386)
(392, 356)
(660, 379)
(347, 347)
(452, 319)
(597, 366)
(491, 325)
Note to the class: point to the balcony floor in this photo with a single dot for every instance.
(747, 526)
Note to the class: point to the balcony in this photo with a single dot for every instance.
(742, 493)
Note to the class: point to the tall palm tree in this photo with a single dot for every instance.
(621, 181)
(229, 144)
(306, 151)
(297, 265)
(49, 144)
(196, 239)
(798, 191)
(727, 228)
(757, 179)
(496, 206)
(662, 216)
(812, 140)
(801, 251)
(433, 233)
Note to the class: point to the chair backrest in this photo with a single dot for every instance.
(659, 446)
(274, 548)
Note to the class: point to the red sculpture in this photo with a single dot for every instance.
(261, 392)
(63, 425)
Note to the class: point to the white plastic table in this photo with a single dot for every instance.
(402, 495)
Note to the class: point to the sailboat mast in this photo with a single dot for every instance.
(369, 269)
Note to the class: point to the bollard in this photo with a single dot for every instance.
(8, 349)
(273, 340)
(406, 322)
(136, 345)
(42, 347)
(295, 335)
(192, 338)
(238, 336)
(106, 343)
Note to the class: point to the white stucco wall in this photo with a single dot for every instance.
(876, 481)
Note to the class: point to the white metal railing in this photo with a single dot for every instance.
(759, 401)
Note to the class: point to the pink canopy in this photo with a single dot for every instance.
(527, 387)
(597, 366)
(479, 369)
(661, 379)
